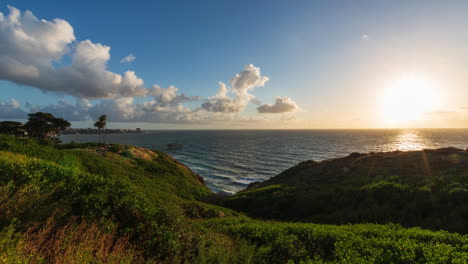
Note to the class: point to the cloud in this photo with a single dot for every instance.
(30, 49)
(122, 109)
(228, 105)
(11, 110)
(365, 37)
(127, 59)
(222, 103)
(169, 96)
(281, 105)
(70, 112)
(243, 82)
(247, 79)
(126, 110)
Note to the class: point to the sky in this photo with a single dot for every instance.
(237, 64)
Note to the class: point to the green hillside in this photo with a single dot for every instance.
(93, 203)
(418, 188)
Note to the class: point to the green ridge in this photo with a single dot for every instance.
(417, 188)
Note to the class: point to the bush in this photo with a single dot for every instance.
(117, 148)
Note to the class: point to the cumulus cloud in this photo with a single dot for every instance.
(120, 109)
(11, 110)
(29, 47)
(281, 105)
(222, 92)
(127, 59)
(222, 103)
(66, 110)
(126, 110)
(165, 107)
(169, 96)
(242, 83)
(247, 79)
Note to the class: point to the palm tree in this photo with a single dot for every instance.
(101, 125)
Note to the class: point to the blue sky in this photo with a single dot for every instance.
(329, 59)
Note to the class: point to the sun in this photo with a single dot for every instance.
(407, 100)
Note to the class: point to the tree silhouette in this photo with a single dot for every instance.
(101, 125)
(12, 128)
(45, 126)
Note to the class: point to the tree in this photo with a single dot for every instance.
(12, 128)
(45, 126)
(101, 125)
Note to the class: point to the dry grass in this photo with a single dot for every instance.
(78, 242)
(143, 153)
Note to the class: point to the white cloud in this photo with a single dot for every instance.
(29, 47)
(128, 59)
(120, 109)
(63, 109)
(365, 37)
(281, 105)
(222, 103)
(243, 82)
(228, 105)
(126, 110)
(247, 79)
(11, 110)
(222, 92)
(169, 96)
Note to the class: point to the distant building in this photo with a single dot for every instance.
(97, 131)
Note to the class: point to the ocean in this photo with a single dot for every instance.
(229, 160)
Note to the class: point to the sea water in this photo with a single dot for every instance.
(229, 160)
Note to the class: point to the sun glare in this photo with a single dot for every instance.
(407, 100)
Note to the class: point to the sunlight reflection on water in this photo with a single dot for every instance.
(410, 140)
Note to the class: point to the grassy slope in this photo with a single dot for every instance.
(144, 199)
(418, 188)
(130, 205)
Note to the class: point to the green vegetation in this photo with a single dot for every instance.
(101, 124)
(45, 126)
(96, 203)
(418, 188)
(12, 128)
(279, 242)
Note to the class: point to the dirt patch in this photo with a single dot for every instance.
(142, 153)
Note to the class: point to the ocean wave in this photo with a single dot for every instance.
(230, 160)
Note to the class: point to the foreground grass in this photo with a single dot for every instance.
(77, 204)
(279, 242)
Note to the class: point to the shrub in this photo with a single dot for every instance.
(117, 148)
